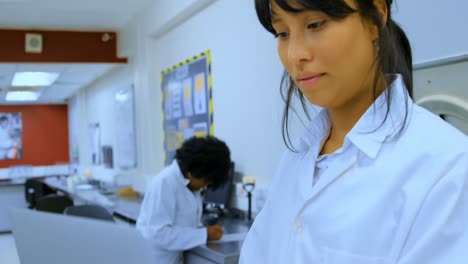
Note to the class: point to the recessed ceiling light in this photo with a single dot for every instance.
(34, 79)
(15, 96)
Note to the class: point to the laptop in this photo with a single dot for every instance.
(53, 238)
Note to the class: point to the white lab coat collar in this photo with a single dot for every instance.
(316, 132)
(178, 172)
(366, 134)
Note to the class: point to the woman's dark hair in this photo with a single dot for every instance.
(206, 158)
(393, 55)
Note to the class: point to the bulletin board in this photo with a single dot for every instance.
(187, 102)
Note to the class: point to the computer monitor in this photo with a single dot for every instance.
(221, 197)
(54, 238)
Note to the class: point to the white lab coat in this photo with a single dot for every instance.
(401, 201)
(170, 216)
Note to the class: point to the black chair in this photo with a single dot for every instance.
(54, 203)
(90, 211)
(35, 189)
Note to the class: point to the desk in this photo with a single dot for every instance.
(129, 209)
(124, 208)
(224, 252)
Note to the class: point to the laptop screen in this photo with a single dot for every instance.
(54, 238)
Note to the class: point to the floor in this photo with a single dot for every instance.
(8, 253)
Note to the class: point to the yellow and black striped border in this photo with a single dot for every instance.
(210, 90)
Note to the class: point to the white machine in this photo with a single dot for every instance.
(53, 238)
(444, 91)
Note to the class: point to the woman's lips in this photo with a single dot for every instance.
(309, 79)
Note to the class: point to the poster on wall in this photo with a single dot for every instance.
(11, 131)
(95, 143)
(186, 102)
(74, 105)
(125, 150)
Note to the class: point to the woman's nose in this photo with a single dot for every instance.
(299, 49)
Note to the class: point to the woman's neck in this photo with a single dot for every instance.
(342, 121)
(344, 118)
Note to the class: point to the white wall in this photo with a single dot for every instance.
(246, 74)
(165, 15)
(436, 29)
(97, 105)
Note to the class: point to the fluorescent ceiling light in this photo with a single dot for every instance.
(34, 79)
(22, 96)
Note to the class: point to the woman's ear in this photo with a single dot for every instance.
(382, 9)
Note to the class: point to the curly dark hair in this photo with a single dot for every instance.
(206, 158)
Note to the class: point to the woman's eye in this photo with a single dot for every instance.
(316, 25)
(281, 35)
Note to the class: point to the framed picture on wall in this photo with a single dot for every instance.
(11, 131)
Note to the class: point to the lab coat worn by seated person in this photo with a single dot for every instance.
(377, 200)
(170, 216)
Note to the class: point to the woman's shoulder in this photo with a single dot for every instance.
(428, 130)
(165, 178)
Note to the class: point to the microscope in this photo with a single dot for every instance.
(248, 184)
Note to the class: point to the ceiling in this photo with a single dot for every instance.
(83, 15)
(72, 78)
(69, 14)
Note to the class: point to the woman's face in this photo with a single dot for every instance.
(331, 61)
(195, 184)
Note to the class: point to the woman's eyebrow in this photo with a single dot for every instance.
(275, 20)
(274, 17)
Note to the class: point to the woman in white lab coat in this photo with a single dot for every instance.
(375, 178)
(172, 206)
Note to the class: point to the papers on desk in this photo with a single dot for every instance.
(230, 238)
(26, 171)
(103, 200)
(93, 196)
(83, 187)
